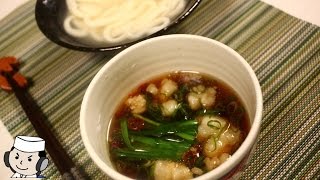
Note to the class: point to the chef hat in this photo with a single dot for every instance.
(29, 144)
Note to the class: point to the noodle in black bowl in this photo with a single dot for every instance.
(51, 14)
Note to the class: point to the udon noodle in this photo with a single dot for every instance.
(115, 21)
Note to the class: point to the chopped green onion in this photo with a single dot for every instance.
(186, 136)
(214, 124)
(160, 143)
(154, 143)
(149, 154)
(171, 128)
(125, 133)
(147, 120)
(213, 112)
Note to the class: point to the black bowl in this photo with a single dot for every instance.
(50, 13)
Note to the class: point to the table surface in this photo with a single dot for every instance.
(306, 10)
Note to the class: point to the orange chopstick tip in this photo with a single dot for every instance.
(8, 65)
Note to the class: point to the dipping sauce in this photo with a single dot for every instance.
(176, 126)
(113, 22)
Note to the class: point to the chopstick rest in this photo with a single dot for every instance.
(8, 65)
(13, 81)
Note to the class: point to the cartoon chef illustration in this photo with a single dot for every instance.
(27, 157)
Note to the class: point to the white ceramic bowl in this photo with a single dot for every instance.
(159, 55)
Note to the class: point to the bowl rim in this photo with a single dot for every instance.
(227, 166)
(52, 38)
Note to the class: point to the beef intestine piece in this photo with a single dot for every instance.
(115, 21)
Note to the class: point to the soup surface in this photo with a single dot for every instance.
(176, 126)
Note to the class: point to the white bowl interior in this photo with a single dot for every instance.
(152, 58)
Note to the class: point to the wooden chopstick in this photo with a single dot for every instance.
(63, 162)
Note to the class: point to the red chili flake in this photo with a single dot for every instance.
(189, 158)
(135, 124)
(116, 144)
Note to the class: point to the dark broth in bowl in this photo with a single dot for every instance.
(180, 125)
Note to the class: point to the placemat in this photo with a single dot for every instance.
(283, 51)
